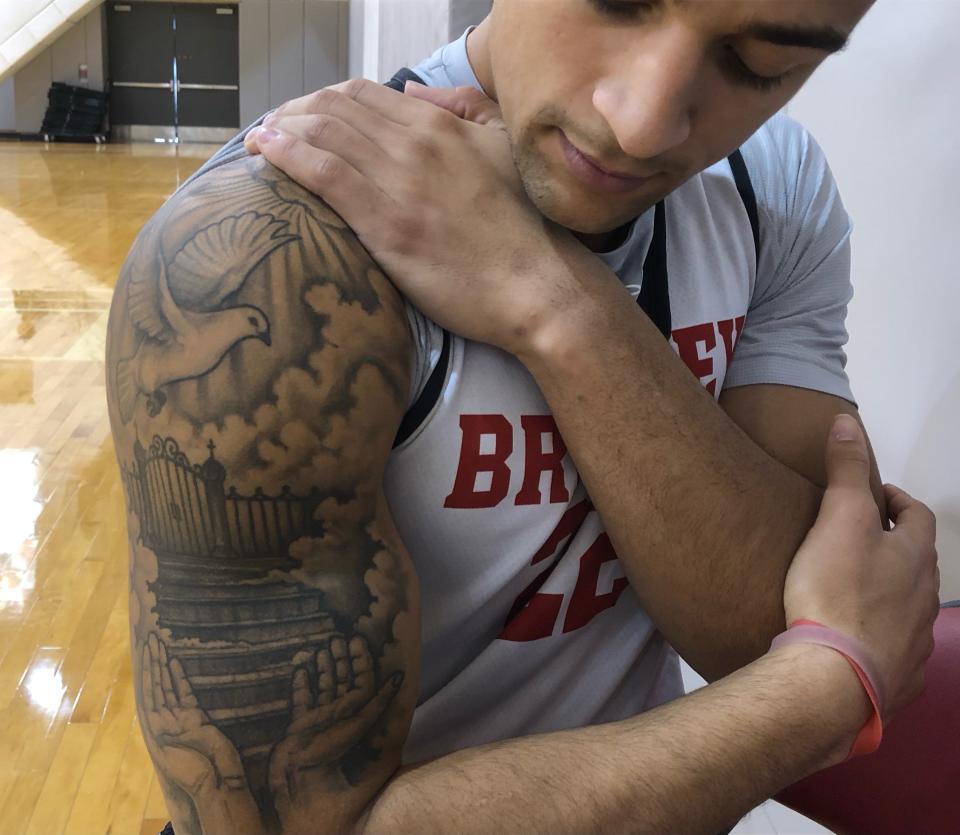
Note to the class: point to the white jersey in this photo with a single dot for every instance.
(528, 622)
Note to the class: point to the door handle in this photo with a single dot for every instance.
(145, 85)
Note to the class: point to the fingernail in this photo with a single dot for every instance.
(412, 84)
(845, 428)
(267, 135)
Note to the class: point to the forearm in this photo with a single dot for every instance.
(694, 765)
(690, 502)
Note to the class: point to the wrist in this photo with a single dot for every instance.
(840, 699)
(583, 301)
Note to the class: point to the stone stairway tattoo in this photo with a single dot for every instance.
(235, 625)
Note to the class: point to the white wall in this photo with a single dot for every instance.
(81, 43)
(386, 35)
(885, 112)
(27, 26)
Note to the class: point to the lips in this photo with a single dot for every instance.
(593, 174)
(606, 170)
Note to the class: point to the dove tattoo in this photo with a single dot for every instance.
(186, 330)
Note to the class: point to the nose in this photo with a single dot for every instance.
(648, 100)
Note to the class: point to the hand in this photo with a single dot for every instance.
(879, 588)
(428, 183)
(335, 705)
(189, 749)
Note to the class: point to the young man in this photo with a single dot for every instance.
(359, 539)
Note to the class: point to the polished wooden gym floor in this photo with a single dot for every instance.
(71, 756)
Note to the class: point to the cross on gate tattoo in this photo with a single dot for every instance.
(265, 606)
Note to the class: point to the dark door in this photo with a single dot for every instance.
(208, 65)
(174, 70)
(141, 44)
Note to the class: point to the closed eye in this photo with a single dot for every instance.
(734, 66)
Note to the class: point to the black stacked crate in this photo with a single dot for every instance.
(75, 114)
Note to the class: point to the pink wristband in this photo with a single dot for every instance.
(811, 632)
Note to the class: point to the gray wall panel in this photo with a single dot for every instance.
(464, 13)
(68, 53)
(410, 30)
(32, 84)
(322, 57)
(8, 110)
(355, 43)
(254, 59)
(95, 32)
(286, 50)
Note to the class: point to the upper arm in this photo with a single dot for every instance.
(258, 369)
(795, 328)
(791, 425)
(788, 376)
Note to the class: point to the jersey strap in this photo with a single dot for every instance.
(418, 412)
(654, 296)
(748, 196)
(401, 77)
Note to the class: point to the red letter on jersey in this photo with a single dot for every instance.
(585, 602)
(537, 461)
(727, 327)
(688, 346)
(473, 462)
(534, 613)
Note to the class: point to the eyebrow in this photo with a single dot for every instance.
(825, 38)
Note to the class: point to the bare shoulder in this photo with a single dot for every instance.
(258, 369)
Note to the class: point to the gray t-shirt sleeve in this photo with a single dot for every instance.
(795, 328)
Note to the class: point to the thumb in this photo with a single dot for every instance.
(848, 461)
(466, 102)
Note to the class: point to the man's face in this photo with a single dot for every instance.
(660, 90)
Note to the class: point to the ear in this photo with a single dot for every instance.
(466, 102)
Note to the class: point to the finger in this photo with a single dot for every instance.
(301, 696)
(363, 677)
(356, 198)
(912, 519)
(374, 125)
(326, 677)
(146, 681)
(847, 458)
(181, 685)
(165, 680)
(158, 696)
(364, 719)
(379, 100)
(898, 500)
(249, 141)
(303, 658)
(361, 661)
(467, 103)
(341, 658)
(330, 133)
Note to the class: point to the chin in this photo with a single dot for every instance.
(574, 208)
(583, 213)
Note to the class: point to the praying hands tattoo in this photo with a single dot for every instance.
(250, 341)
(334, 706)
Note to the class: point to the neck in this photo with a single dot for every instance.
(604, 241)
(478, 54)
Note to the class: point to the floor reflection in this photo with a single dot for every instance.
(18, 539)
(44, 688)
(71, 755)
